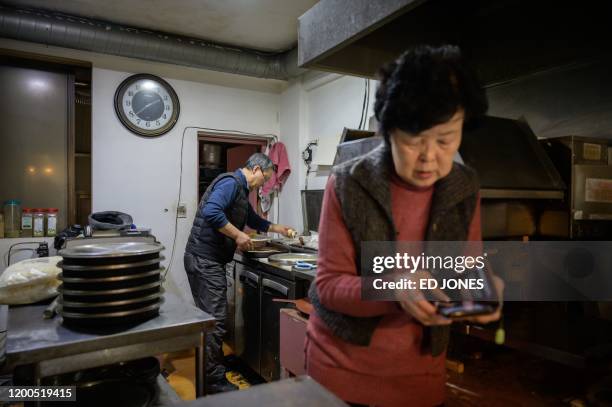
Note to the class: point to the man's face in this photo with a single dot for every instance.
(260, 176)
(424, 158)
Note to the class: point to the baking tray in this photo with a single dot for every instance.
(91, 293)
(108, 310)
(121, 314)
(113, 285)
(111, 250)
(289, 259)
(77, 304)
(110, 279)
(109, 267)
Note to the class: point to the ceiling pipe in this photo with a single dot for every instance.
(52, 28)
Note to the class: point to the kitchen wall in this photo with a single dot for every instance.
(141, 176)
(317, 106)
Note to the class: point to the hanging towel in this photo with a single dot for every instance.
(278, 155)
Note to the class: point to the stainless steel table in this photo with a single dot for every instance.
(49, 348)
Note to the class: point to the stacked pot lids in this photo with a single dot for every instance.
(110, 283)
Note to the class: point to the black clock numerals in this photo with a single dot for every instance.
(131, 114)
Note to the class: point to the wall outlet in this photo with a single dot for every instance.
(181, 210)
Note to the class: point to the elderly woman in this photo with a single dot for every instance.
(409, 189)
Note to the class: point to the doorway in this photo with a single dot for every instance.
(220, 153)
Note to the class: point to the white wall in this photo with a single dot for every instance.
(140, 176)
(315, 107)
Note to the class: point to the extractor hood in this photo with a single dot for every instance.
(505, 153)
(504, 39)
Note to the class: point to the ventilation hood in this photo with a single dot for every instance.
(504, 39)
(505, 153)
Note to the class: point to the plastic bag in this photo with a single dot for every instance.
(30, 281)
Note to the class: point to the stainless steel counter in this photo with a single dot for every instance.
(50, 348)
(297, 392)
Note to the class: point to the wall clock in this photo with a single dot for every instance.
(147, 105)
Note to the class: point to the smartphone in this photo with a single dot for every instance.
(465, 309)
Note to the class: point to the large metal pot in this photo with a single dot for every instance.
(211, 155)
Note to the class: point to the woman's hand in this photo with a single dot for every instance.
(413, 301)
(485, 319)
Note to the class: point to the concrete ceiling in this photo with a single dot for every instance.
(266, 25)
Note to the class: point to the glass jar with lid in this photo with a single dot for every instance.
(38, 222)
(12, 218)
(52, 221)
(26, 222)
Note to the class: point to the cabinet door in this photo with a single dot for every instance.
(230, 336)
(250, 308)
(272, 287)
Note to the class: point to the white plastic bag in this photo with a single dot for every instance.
(30, 281)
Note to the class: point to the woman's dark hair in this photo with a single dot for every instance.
(424, 87)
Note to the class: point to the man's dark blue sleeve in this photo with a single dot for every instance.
(254, 221)
(219, 200)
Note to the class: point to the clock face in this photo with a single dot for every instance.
(146, 105)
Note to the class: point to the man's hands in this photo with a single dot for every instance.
(243, 241)
(282, 229)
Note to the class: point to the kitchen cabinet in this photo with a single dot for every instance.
(257, 317)
(272, 287)
(247, 316)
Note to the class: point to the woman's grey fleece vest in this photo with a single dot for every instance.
(363, 190)
(205, 240)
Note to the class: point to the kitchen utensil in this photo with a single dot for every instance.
(302, 265)
(260, 241)
(110, 250)
(49, 312)
(289, 259)
(302, 304)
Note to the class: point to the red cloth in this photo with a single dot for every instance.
(392, 370)
(278, 155)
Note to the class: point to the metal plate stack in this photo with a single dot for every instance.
(110, 283)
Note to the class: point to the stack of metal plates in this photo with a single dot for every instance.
(110, 283)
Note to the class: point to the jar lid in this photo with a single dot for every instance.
(12, 202)
(40, 210)
(27, 210)
(53, 210)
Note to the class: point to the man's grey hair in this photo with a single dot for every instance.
(259, 160)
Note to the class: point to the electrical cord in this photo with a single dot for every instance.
(180, 189)
(8, 262)
(364, 105)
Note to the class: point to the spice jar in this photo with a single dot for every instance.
(12, 218)
(26, 222)
(52, 221)
(38, 223)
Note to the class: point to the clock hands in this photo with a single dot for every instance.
(148, 105)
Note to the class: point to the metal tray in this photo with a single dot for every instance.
(109, 279)
(111, 250)
(110, 303)
(87, 293)
(78, 315)
(79, 267)
(289, 259)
